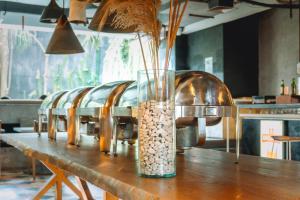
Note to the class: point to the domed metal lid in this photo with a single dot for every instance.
(129, 97)
(51, 100)
(104, 94)
(201, 88)
(73, 97)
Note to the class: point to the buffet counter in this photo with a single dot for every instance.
(21, 112)
(268, 111)
(264, 112)
(201, 174)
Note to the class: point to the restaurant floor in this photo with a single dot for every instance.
(20, 186)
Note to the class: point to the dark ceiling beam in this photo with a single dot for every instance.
(20, 8)
(166, 6)
(270, 5)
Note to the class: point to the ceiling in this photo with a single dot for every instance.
(202, 18)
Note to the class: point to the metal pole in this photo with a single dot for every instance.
(227, 135)
(237, 135)
(287, 151)
(290, 150)
(77, 130)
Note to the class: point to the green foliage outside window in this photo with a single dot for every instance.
(23, 40)
(125, 51)
(33, 73)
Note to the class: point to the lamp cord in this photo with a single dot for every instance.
(291, 9)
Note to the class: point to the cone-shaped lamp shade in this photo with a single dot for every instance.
(108, 27)
(64, 40)
(51, 13)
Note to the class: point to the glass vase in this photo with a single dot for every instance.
(156, 123)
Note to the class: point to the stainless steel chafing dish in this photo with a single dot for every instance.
(96, 107)
(65, 111)
(45, 111)
(125, 115)
(201, 100)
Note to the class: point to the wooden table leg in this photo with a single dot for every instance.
(85, 191)
(72, 187)
(58, 179)
(33, 168)
(109, 196)
(49, 184)
(59, 189)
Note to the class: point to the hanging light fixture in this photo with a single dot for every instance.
(108, 27)
(64, 40)
(51, 13)
(78, 12)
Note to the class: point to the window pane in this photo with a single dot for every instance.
(28, 73)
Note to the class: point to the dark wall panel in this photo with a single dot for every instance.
(234, 48)
(241, 56)
(250, 142)
(293, 129)
(181, 52)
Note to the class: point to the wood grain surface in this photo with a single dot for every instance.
(201, 173)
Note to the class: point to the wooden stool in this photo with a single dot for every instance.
(288, 140)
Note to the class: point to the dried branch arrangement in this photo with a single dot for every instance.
(143, 16)
(175, 17)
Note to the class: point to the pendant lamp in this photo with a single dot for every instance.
(64, 40)
(51, 13)
(108, 27)
(78, 12)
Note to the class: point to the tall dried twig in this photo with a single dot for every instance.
(142, 15)
(175, 18)
(145, 64)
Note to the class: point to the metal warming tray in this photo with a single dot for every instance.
(45, 110)
(125, 115)
(96, 108)
(65, 111)
(201, 100)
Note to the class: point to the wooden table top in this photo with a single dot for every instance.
(201, 173)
